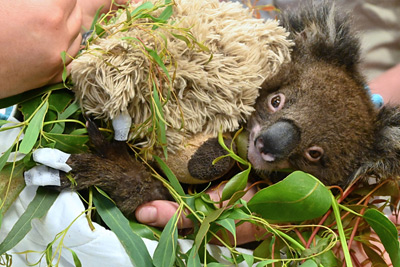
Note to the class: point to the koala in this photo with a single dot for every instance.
(315, 115)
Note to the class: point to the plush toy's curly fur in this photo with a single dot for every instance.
(211, 95)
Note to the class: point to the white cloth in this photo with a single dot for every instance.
(94, 248)
(53, 158)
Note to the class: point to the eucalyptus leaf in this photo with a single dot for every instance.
(249, 259)
(113, 217)
(159, 61)
(38, 207)
(309, 263)
(145, 6)
(69, 143)
(236, 214)
(64, 74)
(374, 256)
(298, 197)
(228, 224)
(387, 233)
(33, 130)
(202, 204)
(77, 261)
(160, 121)
(166, 14)
(144, 230)
(9, 192)
(236, 183)
(28, 95)
(193, 259)
(165, 253)
(205, 226)
(4, 157)
(2, 122)
(170, 175)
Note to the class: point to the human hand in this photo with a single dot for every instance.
(157, 213)
(30, 50)
(388, 85)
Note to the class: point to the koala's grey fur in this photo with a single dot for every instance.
(323, 107)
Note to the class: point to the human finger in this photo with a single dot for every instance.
(158, 212)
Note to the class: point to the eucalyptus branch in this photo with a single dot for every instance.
(66, 120)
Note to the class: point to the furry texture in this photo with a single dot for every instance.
(112, 75)
(116, 171)
(318, 101)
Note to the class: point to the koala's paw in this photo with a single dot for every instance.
(201, 165)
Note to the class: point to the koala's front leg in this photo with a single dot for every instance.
(194, 164)
(128, 185)
(116, 171)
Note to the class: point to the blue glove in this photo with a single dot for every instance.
(376, 98)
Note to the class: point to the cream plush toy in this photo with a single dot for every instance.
(213, 85)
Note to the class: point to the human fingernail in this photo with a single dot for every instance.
(147, 214)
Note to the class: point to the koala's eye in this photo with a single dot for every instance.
(276, 102)
(314, 153)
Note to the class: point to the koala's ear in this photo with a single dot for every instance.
(384, 159)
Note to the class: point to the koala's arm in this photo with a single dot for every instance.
(115, 171)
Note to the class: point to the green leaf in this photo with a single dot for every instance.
(228, 224)
(65, 72)
(158, 112)
(4, 157)
(113, 217)
(159, 61)
(374, 256)
(96, 18)
(145, 6)
(236, 183)
(59, 100)
(298, 197)
(28, 95)
(165, 253)
(77, 261)
(39, 206)
(9, 192)
(69, 143)
(205, 226)
(2, 122)
(165, 15)
(33, 130)
(144, 230)
(309, 263)
(182, 38)
(342, 236)
(387, 233)
(170, 175)
(99, 30)
(194, 258)
(249, 259)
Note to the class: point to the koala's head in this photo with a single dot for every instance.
(315, 114)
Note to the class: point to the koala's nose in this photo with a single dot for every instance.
(278, 140)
